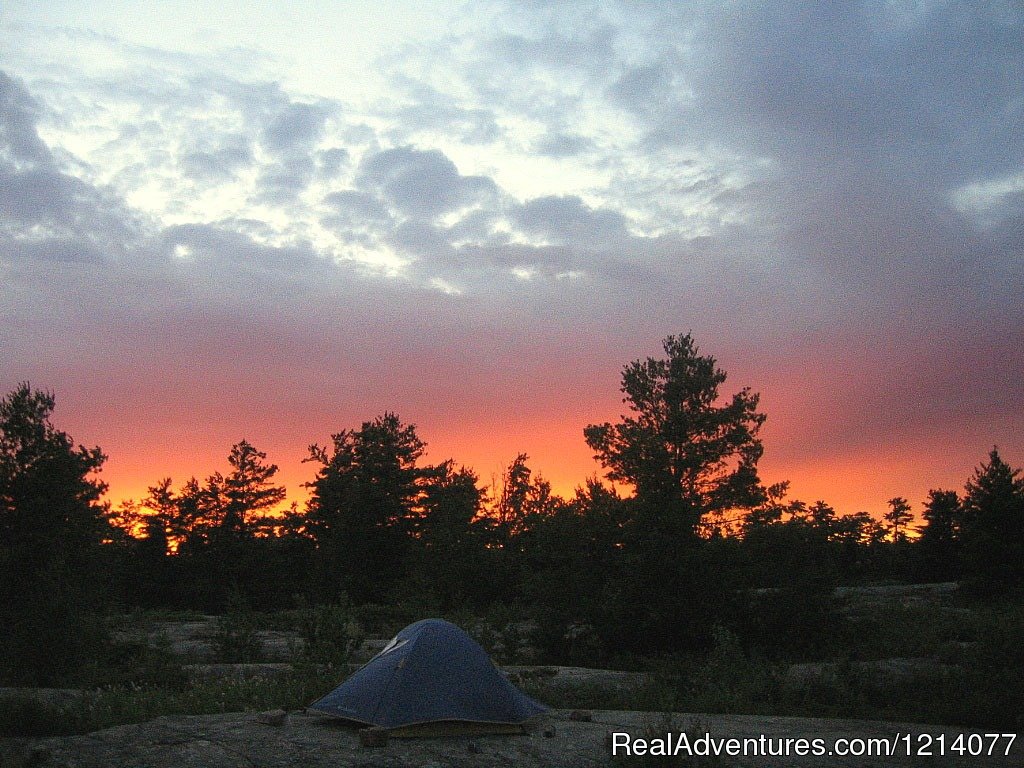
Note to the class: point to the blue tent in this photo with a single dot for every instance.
(430, 672)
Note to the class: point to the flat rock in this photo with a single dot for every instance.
(880, 671)
(576, 677)
(316, 741)
(45, 696)
(193, 639)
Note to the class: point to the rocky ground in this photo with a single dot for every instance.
(310, 739)
(314, 741)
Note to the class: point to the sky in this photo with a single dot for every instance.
(275, 221)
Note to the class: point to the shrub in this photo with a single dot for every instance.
(234, 639)
(330, 634)
(27, 716)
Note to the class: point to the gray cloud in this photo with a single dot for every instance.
(218, 160)
(331, 161)
(19, 141)
(46, 214)
(296, 127)
(569, 221)
(353, 208)
(280, 183)
(222, 244)
(427, 108)
(563, 145)
(422, 183)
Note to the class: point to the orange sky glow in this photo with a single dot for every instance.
(860, 480)
(241, 225)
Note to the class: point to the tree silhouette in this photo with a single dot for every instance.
(688, 456)
(362, 504)
(161, 521)
(196, 515)
(49, 499)
(451, 536)
(993, 524)
(685, 454)
(940, 541)
(247, 489)
(525, 499)
(898, 517)
(51, 526)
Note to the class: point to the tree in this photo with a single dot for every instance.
(48, 498)
(195, 516)
(993, 525)
(689, 454)
(771, 509)
(225, 507)
(247, 490)
(940, 541)
(362, 505)
(454, 565)
(822, 516)
(159, 524)
(524, 499)
(568, 558)
(685, 453)
(52, 523)
(898, 517)
(516, 491)
(859, 528)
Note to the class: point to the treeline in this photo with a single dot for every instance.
(697, 542)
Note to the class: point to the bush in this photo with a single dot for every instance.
(791, 621)
(27, 716)
(503, 632)
(330, 634)
(138, 664)
(235, 640)
(729, 680)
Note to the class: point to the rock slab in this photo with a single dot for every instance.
(315, 741)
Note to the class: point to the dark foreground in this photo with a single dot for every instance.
(237, 740)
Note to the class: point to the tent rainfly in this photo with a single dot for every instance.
(430, 672)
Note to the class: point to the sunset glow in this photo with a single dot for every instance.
(216, 227)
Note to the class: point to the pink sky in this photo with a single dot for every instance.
(245, 226)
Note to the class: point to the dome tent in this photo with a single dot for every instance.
(430, 672)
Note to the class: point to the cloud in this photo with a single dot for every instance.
(563, 145)
(331, 161)
(218, 160)
(46, 214)
(824, 194)
(569, 221)
(296, 127)
(421, 183)
(426, 110)
(19, 141)
(354, 208)
(280, 183)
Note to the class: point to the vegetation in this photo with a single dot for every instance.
(691, 567)
(51, 529)
(115, 705)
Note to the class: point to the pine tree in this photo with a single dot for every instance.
(52, 523)
(685, 453)
(993, 525)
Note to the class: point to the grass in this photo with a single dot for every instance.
(121, 704)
